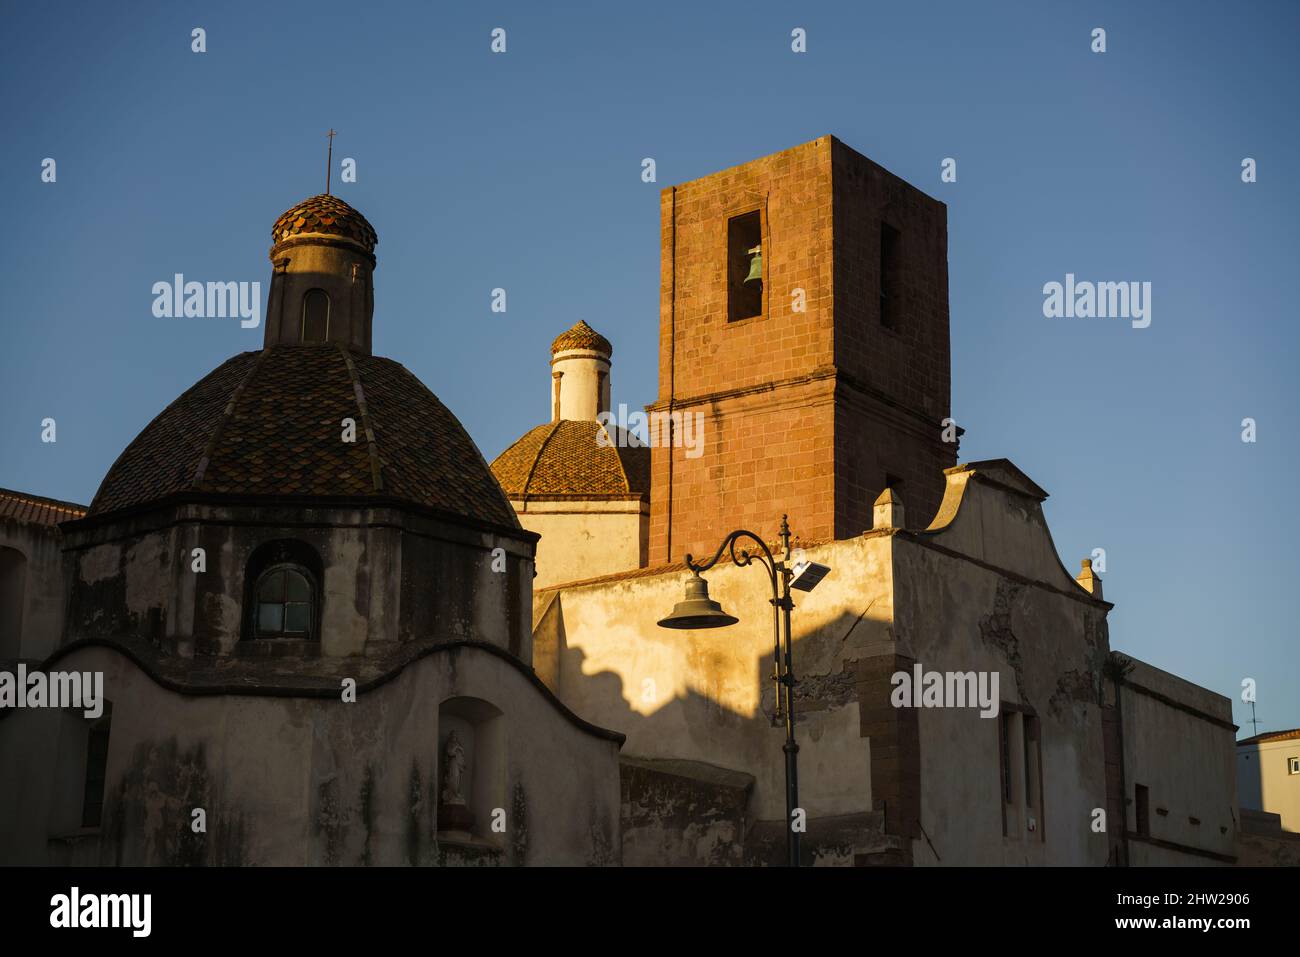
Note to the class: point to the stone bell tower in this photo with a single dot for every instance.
(804, 325)
(322, 283)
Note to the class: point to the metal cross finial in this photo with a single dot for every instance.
(329, 162)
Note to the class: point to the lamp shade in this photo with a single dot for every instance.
(697, 609)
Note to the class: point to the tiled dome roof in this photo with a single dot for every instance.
(269, 423)
(328, 215)
(564, 459)
(581, 336)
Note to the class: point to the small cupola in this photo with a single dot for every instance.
(580, 374)
(322, 280)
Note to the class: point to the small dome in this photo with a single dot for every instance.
(325, 215)
(565, 459)
(582, 336)
(269, 424)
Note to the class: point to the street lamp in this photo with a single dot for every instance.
(697, 610)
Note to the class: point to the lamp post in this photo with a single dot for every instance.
(697, 610)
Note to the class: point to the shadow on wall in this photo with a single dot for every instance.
(705, 808)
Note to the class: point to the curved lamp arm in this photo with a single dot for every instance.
(741, 559)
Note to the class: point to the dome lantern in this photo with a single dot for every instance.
(322, 287)
(580, 374)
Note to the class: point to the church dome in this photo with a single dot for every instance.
(325, 215)
(565, 459)
(270, 424)
(582, 336)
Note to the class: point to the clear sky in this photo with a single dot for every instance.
(522, 170)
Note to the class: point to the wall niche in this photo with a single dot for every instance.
(471, 771)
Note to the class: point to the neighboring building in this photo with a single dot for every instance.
(31, 574)
(579, 481)
(243, 559)
(1268, 788)
(1268, 775)
(1180, 803)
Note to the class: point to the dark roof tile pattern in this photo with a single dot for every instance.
(426, 455)
(1267, 736)
(37, 509)
(565, 458)
(325, 214)
(162, 459)
(271, 423)
(581, 336)
(284, 435)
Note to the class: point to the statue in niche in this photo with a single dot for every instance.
(455, 820)
(453, 764)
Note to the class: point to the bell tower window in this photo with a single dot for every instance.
(745, 266)
(316, 316)
(890, 277)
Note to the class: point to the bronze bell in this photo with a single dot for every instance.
(697, 610)
(756, 264)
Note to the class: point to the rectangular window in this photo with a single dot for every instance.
(1293, 765)
(92, 806)
(746, 266)
(1004, 722)
(1033, 777)
(890, 277)
(1142, 799)
(1021, 766)
(1031, 762)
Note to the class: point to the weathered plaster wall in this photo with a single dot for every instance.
(683, 813)
(585, 539)
(984, 591)
(388, 578)
(1179, 743)
(294, 781)
(1261, 842)
(38, 575)
(707, 696)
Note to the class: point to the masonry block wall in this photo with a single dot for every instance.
(895, 748)
(808, 405)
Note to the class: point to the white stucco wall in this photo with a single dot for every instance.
(584, 539)
(1265, 780)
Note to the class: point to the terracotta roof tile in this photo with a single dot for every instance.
(564, 458)
(328, 215)
(36, 509)
(1293, 734)
(582, 336)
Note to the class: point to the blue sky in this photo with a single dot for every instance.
(522, 171)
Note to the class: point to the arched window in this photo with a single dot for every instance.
(284, 603)
(282, 592)
(316, 316)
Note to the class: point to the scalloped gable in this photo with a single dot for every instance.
(993, 512)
